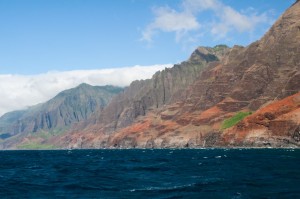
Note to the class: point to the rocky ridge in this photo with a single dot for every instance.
(163, 88)
(246, 79)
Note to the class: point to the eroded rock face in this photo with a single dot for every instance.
(246, 79)
(276, 124)
(163, 88)
(179, 109)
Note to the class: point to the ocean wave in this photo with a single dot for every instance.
(171, 188)
(183, 187)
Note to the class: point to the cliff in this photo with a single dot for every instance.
(163, 88)
(244, 80)
(219, 97)
(275, 125)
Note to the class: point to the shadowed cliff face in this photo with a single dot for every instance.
(246, 79)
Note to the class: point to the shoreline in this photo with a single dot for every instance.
(151, 149)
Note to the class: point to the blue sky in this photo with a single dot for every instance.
(44, 35)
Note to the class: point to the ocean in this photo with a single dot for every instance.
(164, 173)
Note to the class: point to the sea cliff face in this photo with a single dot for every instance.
(276, 124)
(219, 97)
(163, 88)
(242, 79)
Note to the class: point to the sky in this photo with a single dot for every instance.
(47, 46)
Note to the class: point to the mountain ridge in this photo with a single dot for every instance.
(247, 79)
(59, 113)
(187, 105)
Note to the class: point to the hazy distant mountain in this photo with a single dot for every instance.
(59, 113)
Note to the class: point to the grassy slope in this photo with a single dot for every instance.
(234, 119)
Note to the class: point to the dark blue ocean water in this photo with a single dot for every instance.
(218, 173)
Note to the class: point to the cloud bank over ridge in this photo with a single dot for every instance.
(21, 91)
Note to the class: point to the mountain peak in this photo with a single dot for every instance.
(208, 54)
(57, 114)
(286, 29)
(84, 85)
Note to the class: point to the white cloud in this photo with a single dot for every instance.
(169, 20)
(232, 20)
(186, 22)
(21, 91)
(196, 6)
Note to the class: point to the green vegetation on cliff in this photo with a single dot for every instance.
(35, 146)
(234, 119)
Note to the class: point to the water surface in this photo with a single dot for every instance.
(193, 173)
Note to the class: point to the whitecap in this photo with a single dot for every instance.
(163, 188)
